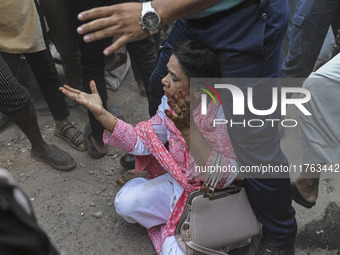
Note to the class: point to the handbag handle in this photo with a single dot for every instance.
(212, 178)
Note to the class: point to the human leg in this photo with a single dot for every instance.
(148, 202)
(257, 43)
(129, 175)
(311, 23)
(285, 43)
(15, 101)
(138, 78)
(305, 189)
(271, 202)
(171, 247)
(63, 34)
(49, 82)
(255, 146)
(143, 54)
(92, 62)
(320, 140)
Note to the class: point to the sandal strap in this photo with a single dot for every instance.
(74, 138)
(65, 128)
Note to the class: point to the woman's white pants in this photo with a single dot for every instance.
(150, 203)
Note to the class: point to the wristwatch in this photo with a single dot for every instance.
(149, 18)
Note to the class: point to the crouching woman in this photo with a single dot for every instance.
(158, 202)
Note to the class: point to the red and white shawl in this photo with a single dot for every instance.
(180, 164)
(177, 161)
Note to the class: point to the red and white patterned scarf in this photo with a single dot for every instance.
(178, 161)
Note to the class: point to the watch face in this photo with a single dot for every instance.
(150, 20)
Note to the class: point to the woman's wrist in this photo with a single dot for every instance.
(111, 127)
(99, 114)
(107, 120)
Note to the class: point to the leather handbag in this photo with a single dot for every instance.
(215, 219)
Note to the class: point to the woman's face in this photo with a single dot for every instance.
(176, 79)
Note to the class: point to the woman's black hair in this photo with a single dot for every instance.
(197, 61)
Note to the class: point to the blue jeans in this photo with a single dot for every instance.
(310, 25)
(247, 41)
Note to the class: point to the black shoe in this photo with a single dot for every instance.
(97, 149)
(272, 251)
(297, 197)
(128, 161)
(55, 157)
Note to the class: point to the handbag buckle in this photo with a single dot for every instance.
(187, 235)
(215, 194)
(208, 191)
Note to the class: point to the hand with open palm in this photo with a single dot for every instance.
(90, 101)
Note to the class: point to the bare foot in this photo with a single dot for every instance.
(65, 130)
(308, 188)
(129, 175)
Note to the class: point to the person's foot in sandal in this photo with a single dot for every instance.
(54, 156)
(70, 134)
(129, 175)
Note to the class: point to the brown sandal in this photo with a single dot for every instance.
(76, 144)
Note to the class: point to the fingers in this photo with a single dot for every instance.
(93, 87)
(171, 116)
(185, 96)
(183, 101)
(94, 13)
(68, 88)
(117, 20)
(179, 101)
(68, 93)
(176, 108)
(99, 29)
(121, 41)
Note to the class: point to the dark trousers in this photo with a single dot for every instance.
(49, 82)
(92, 60)
(44, 71)
(247, 40)
(47, 78)
(93, 68)
(143, 59)
(310, 26)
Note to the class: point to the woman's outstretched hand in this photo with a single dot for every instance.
(90, 101)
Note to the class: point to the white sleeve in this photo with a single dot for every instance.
(159, 128)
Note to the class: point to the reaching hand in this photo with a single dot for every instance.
(90, 101)
(181, 106)
(117, 20)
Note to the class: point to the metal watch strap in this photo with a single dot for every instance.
(147, 7)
